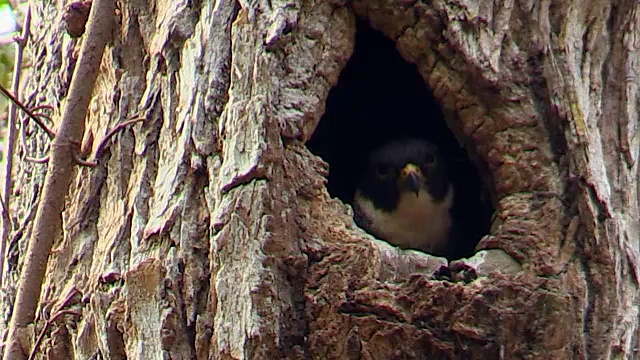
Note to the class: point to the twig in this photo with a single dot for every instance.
(23, 135)
(112, 132)
(104, 142)
(42, 160)
(67, 299)
(15, 101)
(42, 116)
(46, 328)
(81, 161)
(59, 313)
(42, 107)
(48, 220)
(11, 135)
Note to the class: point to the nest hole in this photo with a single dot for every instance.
(380, 97)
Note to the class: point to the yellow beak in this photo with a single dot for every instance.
(411, 178)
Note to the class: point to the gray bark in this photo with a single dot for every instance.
(207, 232)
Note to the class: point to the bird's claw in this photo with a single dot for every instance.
(456, 271)
(482, 263)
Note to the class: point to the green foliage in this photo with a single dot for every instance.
(6, 65)
(6, 69)
(7, 52)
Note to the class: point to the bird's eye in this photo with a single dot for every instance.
(383, 171)
(430, 159)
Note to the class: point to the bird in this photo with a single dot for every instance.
(405, 196)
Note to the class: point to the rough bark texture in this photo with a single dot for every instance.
(207, 232)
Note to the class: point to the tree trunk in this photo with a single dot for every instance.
(207, 230)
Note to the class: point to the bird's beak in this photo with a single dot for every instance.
(411, 178)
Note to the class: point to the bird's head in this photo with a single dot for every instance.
(404, 166)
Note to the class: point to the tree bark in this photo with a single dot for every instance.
(207, 231)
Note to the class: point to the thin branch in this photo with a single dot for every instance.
(11, 135)
(46, 328)
(23, 132)
(42, 160)
(67, 299)
(23, 136)
(15, 101)
(48, 220)
(42, 107)
(103, 143)
(61, 311)
(81, 161)
(112, 132)
(42, 116)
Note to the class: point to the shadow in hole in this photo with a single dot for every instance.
(379, 97)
